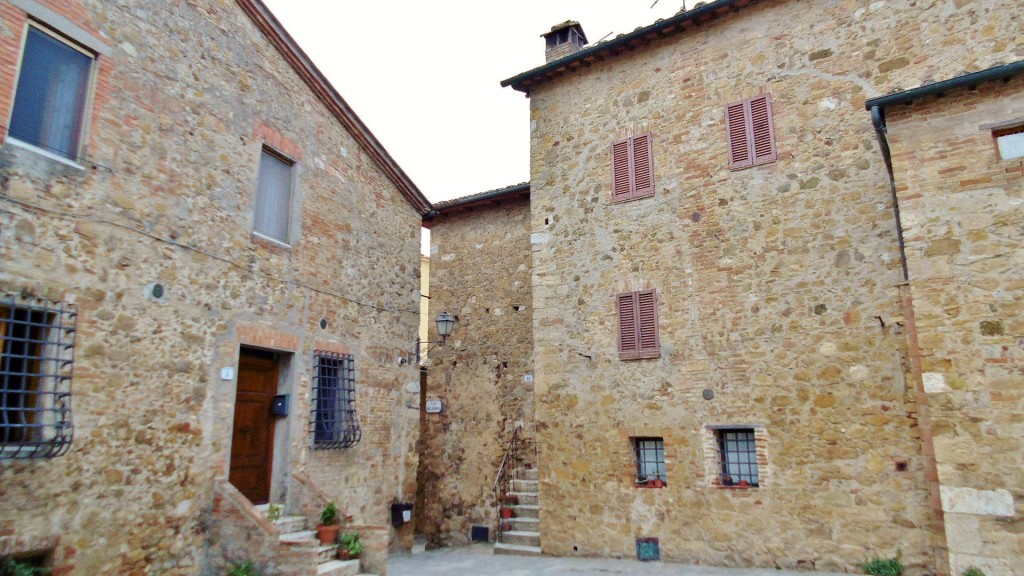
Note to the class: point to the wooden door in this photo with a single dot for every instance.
(252, 438)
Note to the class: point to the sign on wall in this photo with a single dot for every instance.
(434, 406)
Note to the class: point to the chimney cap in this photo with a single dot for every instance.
(564, 25)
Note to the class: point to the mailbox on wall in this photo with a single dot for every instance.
(401, 513)
(280, 407)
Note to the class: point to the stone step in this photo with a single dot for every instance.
(338, 568)
(524, 486)
(521, 538)
(515, 549)
(526, 510)
(300, 538)
(531, 524)
(525, 474)
(327, 553)
(263, 508)
(289, 524)
(525, 497)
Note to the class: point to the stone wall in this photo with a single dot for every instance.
(186, 100)
(480, 272)
(778, 289)
(961, 211)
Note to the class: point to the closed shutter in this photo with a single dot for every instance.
(626, 304)
(647, 325)
(751, 132)
(762, 129)
(739, 140)
(638, 325)
(622, 169)
(643, 166)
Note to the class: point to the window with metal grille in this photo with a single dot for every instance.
(37, 341)
(650, 459)
(334, 422)
(738, 450)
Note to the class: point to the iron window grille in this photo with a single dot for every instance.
(334, 422)
(738, 451)
(38, 341)
(650, 459)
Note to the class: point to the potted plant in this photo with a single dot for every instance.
(327, 530)
(657, 482)
(511, 499)
(641, 480)
(507, 512)
(350, 546)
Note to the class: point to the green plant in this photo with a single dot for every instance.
(274, 512)
(884, 566)
(329, 515)
(972, 571)
(12, 567)
(244, 569)
(350, 542)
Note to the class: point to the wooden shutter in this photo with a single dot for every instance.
(643, 166)
(739, 139)
(647, 324)
(622, 170)
(638, 325)
(762, 129)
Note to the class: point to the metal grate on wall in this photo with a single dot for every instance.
(37, 343)
(333, 421)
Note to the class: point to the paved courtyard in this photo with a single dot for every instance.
(478, 559)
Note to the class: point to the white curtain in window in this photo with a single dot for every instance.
(273, 197)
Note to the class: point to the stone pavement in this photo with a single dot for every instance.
(477, 560)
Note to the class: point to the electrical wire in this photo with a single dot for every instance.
(226, 260)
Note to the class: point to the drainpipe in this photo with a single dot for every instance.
(878, 120)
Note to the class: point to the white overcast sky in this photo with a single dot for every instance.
(423, 75)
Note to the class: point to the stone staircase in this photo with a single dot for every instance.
(295, 534)
(523, 536)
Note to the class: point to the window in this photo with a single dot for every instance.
(274, 196)
(50, 100)
(334, 419)
(37, 345)
(638, 325)
(650, 461)
(632, 168)
(751, 132)
(1010, 142)
(738, 452)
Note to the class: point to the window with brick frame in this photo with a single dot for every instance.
(274, 196)
(750, 130)
(1010, 142)
(37, 340)
(638, 325)
(632, 168)
(650, 462)
(333, 418)
(52, 93)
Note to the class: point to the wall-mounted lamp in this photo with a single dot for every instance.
(445, 325)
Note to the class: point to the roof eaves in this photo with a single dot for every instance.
(329, 96)
(610, 48)
(490, 196)
(1004, 72)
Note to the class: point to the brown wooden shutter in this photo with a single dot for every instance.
(647, 324)
(739, 138)
(762, 129)
(643, 166)
(626, 304)
(622, 185)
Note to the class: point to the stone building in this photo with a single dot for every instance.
(199, 310)
(764, 333)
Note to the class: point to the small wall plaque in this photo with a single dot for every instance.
(528, 378)
(434, 406)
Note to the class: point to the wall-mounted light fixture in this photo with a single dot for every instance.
(445, 325)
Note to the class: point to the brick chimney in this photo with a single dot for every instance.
(563, 39)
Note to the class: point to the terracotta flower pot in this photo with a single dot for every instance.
(343, 554)
(328, 534)
(507, 513)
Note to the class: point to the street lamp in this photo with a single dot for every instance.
(445, 325)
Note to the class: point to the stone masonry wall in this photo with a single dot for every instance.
(961, 207)
(777, 286)
(190, 94)
(480, 272)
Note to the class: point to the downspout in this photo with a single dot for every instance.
(924, 421)
(878, 120)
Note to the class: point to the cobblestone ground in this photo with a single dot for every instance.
(478, 560)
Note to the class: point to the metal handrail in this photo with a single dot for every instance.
(504, 462)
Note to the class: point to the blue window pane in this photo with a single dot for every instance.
(49, 105)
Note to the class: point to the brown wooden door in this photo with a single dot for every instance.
(252, 438)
